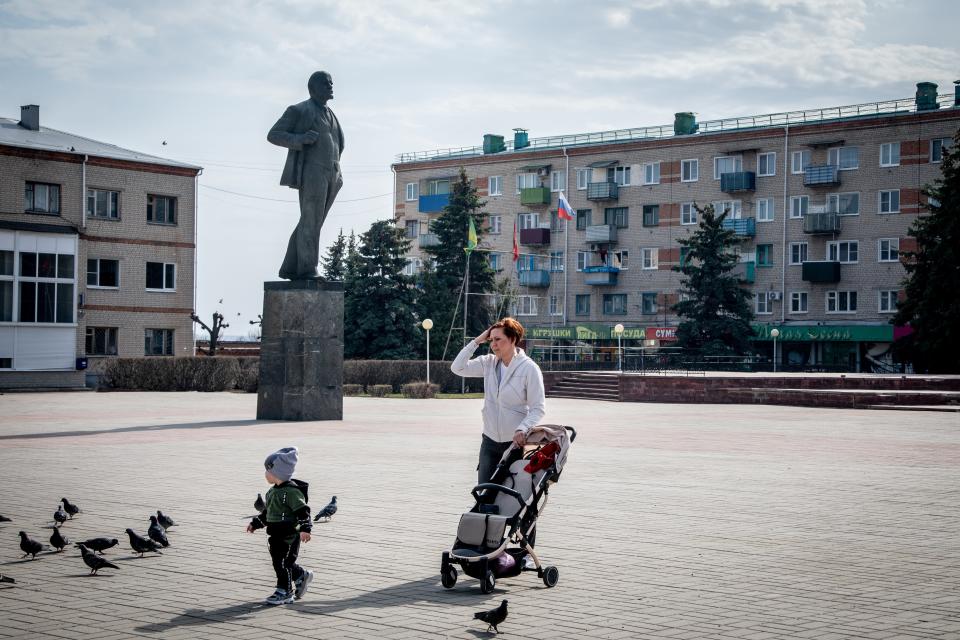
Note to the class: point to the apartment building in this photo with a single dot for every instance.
(821, 201)
(97, 254)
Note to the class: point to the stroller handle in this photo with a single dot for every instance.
(573, 433)
(499, 487)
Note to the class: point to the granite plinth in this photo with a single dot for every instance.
(301, 351)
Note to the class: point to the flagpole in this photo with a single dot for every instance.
(466, 297)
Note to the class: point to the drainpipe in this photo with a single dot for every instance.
(196, 208)
(785, 212)
(83, 192)
(566, 238)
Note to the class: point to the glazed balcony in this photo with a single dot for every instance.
(738, 181)
(825, 223)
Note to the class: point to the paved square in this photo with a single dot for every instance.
(671, 521)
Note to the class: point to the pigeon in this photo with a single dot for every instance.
(165, 521)
(259, 504)
(157, 533)
(100, 544)
(7, 579)
(140, 544)
(29, 546)
(58, 540)
(70, 508)
(328, 511)
(5, 519)
(60, 515)
(94, 561)
(493, 617)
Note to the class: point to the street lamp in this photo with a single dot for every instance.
(618, 329)
(428, 324)
(775, 333)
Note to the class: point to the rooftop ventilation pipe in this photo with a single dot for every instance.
(520, 139)
(927, 96)
(685, 123)
(30, 117)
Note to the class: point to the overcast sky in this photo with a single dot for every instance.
(210, 78)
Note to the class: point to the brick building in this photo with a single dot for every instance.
(97, 254)
(821, 200)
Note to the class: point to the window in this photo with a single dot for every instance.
(528, 220)
(554, 306)
(844, 251)
(937, 147)
(438, 187)
(651, 173)
(888, 301)
(799, 206)
(845, 158)
(45, 288)
(841, 301)
(616, 216)
(411, 267)
(103, 204)
(6, 286)
(413, 190)
(161, 209)
(799, 161)
(620, 259)
(890, 154)
(764, 255)
(764, 210)
(556, 261)
(798, 252)
(526, 306)
(527, 181)
(767, 164)
(846, 204)
(493, 259)
(614, 304)
(582, 305)
(103, 273)
(412, 229)
(651, 215)
(101, 341)
(684, 255)
(726, 164)
(583, 178)
(888, 250)
(620, 175)
(648, 258)
(527, 262)
(889, 201)
(689, 170)
(161, 276)
(583, 219)
(763, 303)
(557, 224)
(733, 208)
(648, 303)
(40, 197)
(496, 185)
(158, 342)
(495, 225)
(688, 213)
(798, 302)
(558, 181)
(583, 259)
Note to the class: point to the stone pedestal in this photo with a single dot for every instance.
(301, 351)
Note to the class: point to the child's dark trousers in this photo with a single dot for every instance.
(284, 550)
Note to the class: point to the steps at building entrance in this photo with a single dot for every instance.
(587, 386)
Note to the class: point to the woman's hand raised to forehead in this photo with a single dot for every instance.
(483, 337)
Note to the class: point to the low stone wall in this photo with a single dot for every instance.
(41, 380)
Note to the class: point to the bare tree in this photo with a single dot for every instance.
(214, 332)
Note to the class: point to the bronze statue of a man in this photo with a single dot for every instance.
(315, 141)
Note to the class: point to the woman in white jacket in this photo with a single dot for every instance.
(513, 396)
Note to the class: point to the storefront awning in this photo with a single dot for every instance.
(826, 333)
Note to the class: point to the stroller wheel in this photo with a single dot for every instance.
(448, 577)
(550, 576)
(488, 583)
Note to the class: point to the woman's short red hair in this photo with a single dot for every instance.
(512, 329)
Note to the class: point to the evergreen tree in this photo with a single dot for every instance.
(442, 280)
(932, 305)
(379, 310)
(716, 314)
(333, 261)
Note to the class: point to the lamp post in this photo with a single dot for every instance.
(427, 324)
(775, 333)
(618, 329)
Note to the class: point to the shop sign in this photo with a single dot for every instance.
(584, 332)
(664, 334)
(821, 333)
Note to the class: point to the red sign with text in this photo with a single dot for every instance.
(661, 333)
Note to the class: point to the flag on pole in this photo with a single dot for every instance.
(516, 245)
(471, 237)
(565, 211)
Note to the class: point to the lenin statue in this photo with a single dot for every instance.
(312, 134)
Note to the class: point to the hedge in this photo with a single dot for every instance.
(397, 373)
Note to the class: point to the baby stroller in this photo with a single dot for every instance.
(506, 510)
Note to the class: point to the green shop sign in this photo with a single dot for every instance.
(583, 332)
(818, 333)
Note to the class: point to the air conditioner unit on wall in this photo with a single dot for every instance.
(543, 172)
(775, 295)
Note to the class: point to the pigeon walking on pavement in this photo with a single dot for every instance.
(29, 546)
(5, 519)
(157, 533)
(493, 617)
(328, 511)
(94, 561)
(60, 516)
(140, 544)
(100, 544)
(259, 504)
(165, 521)
(7, 579)
(70, 508)
(58, 540)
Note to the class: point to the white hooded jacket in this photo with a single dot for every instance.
(516, 403)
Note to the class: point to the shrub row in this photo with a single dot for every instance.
(397, 373)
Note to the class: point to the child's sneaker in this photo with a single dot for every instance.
(280, 596)
(303, 584)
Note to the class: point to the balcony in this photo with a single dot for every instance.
(603, 191)
(534, 196)
(821, 175)
(535, 236)
(822, 223)
(743, 227)
(601, 234)
(738, 181)
(434, 204)
(539, 278)
(823, 271)
(746, 272)
(601, 275)
(428, 240)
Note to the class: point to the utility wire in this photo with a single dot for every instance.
(248, 195)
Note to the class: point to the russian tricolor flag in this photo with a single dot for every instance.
(565, 211)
